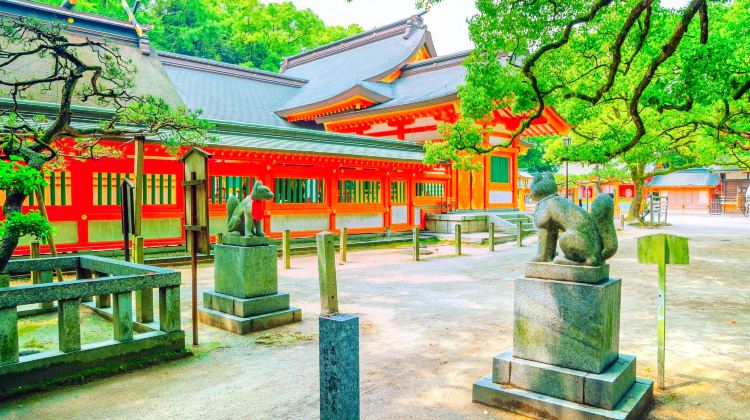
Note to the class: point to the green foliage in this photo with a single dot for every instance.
(32, 224)
(646, 85)
(462, 142)
(598, 174)
(17, 177)
(534, 161)
(245, 32)
(91, 70)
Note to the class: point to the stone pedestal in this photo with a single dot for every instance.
(339, 366)
(565, 360)
(246, 296)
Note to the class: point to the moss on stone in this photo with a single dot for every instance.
(39, 332)
(203, 350)
(284, 338)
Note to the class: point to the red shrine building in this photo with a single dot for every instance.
(337, 135)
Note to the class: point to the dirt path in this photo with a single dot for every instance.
(429, 329)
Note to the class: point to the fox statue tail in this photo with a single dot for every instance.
(232, 203)
(603, 212)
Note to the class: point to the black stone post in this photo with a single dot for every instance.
(339, 366)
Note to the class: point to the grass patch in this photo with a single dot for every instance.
(39, 332)
(649, 225)
(203, 350)
(284, 338)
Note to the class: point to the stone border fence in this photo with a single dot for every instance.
(113, 283)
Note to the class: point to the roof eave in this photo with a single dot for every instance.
(356, 90)
(387, 109)
(404, 62)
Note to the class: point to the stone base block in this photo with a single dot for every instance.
(633, 405)
(603, 390)
(239, 325)
(244, 308)
(245, 271)
(564, 272)
(238, 240)
(567, 324)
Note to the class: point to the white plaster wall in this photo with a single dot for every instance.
(217, 225)
(703, 197)
(367, 220)
(297, 223)
(423, 136)
(399, 215)
(495, 140)
(379, 127)
(501, 197)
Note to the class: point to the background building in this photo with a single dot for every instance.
(337, 135)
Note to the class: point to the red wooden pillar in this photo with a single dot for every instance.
(331, 188)
(386, 191)
(267, 177)
(82, 187)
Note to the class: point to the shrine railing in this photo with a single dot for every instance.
(113, 282)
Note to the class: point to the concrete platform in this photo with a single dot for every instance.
(239, 325)
(633, 405)
(603, 390)
(564, 272)
(244, 308)
(480, 238)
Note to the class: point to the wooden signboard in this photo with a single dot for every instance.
(127, 214)
(662, 249)
(196, 174)
(196, 218)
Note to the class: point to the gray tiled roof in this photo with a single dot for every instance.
(418, 84)
(259, 137)
(425, 86)
(230, 98)
(332, 75)
(698, 177)
(317, 142)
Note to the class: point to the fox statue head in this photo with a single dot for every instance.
(261, 192)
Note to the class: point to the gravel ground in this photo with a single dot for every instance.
(429, 329)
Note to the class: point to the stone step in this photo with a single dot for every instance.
(603, 390)
(239, 325)
(245, 307)
(481, 238)
(632, 406)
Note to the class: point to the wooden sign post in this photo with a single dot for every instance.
(196, 218)
(329, 300)
(127, 214)
(662, 249)
(51, 238)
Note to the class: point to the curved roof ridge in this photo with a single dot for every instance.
(404, 27)
(212, 66)
(435, 63)
(439, 59)
(58, 10)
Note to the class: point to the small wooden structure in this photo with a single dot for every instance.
(196, 218)
(662, 249)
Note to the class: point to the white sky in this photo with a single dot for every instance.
(446, 21)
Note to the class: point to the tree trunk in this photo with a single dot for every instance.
(13, 202)
(639, 182)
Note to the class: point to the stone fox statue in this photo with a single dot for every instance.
(245, 217)
(584, 238)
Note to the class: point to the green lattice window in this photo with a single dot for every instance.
(398, 192)
(430, 189)
(57, 192)
(298, 190)
(499, 169)
(223, 186)
(359, 191)
(159, 189)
